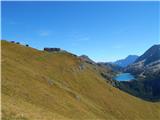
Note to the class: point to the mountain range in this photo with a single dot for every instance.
(147, 71)
(148, 63)
(41, 85)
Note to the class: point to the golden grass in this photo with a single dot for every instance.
(38, 85)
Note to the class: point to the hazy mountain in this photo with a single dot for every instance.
(38, 85)
(127, 61)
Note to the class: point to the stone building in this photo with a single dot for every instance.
(52, 49)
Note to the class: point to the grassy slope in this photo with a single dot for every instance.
(39, 85)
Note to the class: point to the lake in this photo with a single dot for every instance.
(124, 77)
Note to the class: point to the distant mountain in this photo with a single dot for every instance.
(127, 61)
(147, 71)
(147, 63)
(151, 55)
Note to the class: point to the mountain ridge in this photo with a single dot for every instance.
(152, 54)
(146, 62)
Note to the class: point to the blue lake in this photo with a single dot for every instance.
(124, 77)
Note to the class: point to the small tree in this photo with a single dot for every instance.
(17, 42)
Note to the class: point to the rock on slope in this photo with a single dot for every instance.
(87, 59)
(38, 85)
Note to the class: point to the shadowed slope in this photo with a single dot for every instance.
(47, 86)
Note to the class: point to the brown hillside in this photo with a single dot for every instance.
(38, 85)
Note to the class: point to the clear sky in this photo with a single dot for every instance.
(105, 31)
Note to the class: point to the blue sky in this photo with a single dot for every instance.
(105, 31)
